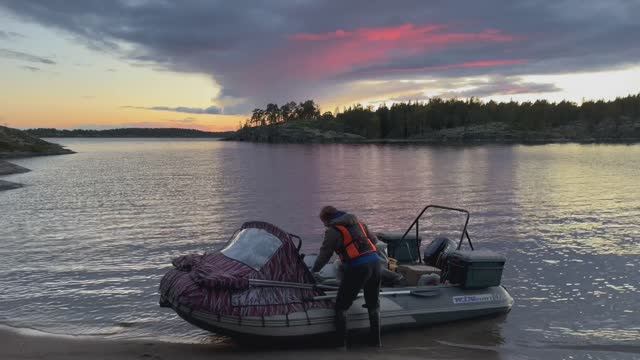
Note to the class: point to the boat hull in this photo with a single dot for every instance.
(399, 308)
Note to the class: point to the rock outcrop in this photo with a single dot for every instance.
(8, 185)
(620, 130)
(7, 168)
(17, 143)
(292, 133)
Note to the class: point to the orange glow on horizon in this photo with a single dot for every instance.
(96, 118)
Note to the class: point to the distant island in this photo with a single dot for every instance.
(16, 143)
(451, 121)
(127, 132)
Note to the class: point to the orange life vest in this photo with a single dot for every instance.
(355, 242)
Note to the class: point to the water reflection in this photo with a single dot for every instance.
(86, 241)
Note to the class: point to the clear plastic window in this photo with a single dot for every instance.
(252, 247)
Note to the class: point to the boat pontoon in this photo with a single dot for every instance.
(259, 285)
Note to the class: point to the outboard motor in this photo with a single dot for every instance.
(435, 254)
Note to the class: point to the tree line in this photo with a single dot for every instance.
(415, 119)
(274, 114)
(124, 132)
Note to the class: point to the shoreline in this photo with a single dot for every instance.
(23, 154)
(468, 142)
(25, 344)
(494, 132)
(8, 185)
(543, 141)
(28, 344)
(7, 168)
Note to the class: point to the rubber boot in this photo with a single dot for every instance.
(374, 324)
(342, 335)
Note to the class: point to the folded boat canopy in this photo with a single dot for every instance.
(218, 282)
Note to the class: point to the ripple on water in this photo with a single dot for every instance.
(85, 243)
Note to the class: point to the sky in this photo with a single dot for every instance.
(207, 64)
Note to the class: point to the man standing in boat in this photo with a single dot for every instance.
(355, 245)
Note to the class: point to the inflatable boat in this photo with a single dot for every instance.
(259, 285)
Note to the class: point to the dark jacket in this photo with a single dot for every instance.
(333, 239)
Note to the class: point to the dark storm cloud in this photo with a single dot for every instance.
(211, 110)
(281, 50)
(17, 55)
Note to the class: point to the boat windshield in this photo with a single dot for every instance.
(252, 247)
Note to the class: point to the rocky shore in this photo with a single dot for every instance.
(8, 185)
(292, 133)
(623, 131)
(7, 168)
(17, 143)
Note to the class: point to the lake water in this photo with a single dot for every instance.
(86, 241)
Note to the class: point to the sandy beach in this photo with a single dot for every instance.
(25, 345)
(31, 345)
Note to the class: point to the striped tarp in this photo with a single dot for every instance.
(218, 284)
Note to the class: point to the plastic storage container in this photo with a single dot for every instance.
(405, 250)
(475, 269)
(413, 272)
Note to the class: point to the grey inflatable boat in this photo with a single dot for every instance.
(259, 285)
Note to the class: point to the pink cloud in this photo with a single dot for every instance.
(331, 53)
(477, 64)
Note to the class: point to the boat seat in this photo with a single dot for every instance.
(405, 250)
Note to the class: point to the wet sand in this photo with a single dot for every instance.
(31, 345)
(25, 346)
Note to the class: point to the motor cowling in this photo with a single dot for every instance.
(435, 254)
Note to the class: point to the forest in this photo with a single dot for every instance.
(419, 119)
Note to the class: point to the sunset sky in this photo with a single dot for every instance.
(206, 64)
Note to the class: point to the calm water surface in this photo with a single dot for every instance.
(86, 241)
